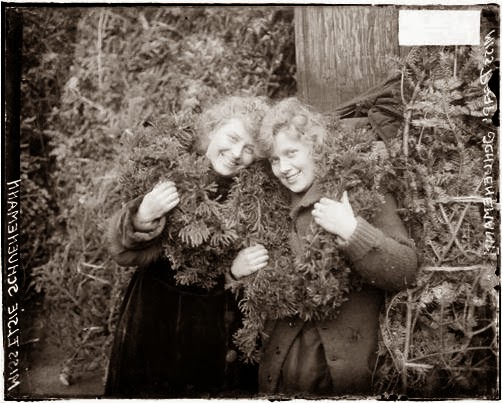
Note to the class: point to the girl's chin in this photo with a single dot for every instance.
(298, 187)
(224, 171)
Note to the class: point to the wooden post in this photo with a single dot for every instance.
(341, 51)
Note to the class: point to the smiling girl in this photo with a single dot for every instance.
(331, 356)
(174, 340)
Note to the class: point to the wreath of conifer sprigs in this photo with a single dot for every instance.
(214, 219)
(196, 237)
(208, 228)
(313, 284)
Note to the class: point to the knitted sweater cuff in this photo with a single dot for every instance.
(364, 238)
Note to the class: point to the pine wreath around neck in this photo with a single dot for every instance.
(314, 283)
(196, 237)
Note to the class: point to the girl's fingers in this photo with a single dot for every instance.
(319, 215)
(258, 267)
(164, 197)
(316, 213)
(326, 202)
(256, 249)
(252, 255)
(168, 192)
(259, 260)
(171, 197)
(172, 205)
(167, 183)
(261, 266)
(163, 185)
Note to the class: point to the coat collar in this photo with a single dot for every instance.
(311, 196)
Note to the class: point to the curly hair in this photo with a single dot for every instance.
(296, 119)
(249, 109)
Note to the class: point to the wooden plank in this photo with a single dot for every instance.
(341, 51)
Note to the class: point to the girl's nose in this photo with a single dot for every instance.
(237, 150)
(284, 166)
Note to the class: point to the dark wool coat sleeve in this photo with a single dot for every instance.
(381, 252)
(130, 246)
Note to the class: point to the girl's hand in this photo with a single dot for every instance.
(158, 202)
(335, 217)
(249, 260)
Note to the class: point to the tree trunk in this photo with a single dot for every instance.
(341, 51)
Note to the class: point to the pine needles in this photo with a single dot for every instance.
(440, 338)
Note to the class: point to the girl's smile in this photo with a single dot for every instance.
(231, 148)
(292, 162)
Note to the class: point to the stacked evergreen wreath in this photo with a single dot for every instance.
(314, 283)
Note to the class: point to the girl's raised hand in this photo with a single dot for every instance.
(158, 202)
(249, 260)
(335, 217)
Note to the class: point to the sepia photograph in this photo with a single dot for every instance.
(251, 201)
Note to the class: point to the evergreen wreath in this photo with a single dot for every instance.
(196, 237)
(216, 216)
(313, 284)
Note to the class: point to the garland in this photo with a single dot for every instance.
(196, 237)
(314, 284)
(215, 220)
(216, 217)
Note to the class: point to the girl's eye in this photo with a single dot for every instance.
(274, 161)
(249, 150)
(291, 153)
(233, 138)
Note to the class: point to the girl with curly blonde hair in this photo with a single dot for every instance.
(174, 340)
(335, 356)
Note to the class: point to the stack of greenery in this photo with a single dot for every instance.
(441, 337)
(92, 75)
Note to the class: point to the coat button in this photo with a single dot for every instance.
(231, 356)
(292, 323)
(269, 378)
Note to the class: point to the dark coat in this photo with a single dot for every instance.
(170, 340)
(385, 258)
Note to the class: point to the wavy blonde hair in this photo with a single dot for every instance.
(249, 109)
(296, 119)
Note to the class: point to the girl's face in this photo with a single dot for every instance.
(292, 162)
(230, 148)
